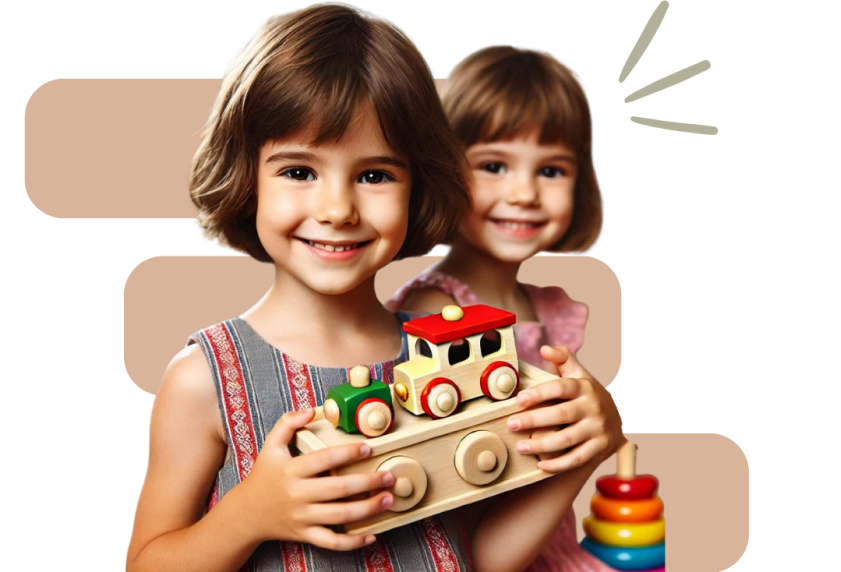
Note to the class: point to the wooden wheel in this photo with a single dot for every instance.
(410, 482)
(440, 397)
(500, 380)
(481, 457)
(374, 417)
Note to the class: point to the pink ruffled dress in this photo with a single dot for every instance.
(560, 322)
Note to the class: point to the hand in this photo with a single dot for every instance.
(594, 428)
(289, 501)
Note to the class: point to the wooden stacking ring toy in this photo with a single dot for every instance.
(625, 534)
(617, 510)
(621, 558)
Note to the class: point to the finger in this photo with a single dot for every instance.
(563, 388)
(576, 457)
(554, 441)
(283, 431)
(548, 416)
(566, 362)
(331, 488)
(344, 512)
(319, 461)
(326, 538)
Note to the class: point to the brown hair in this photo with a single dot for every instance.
(307, 72)
(501, 92)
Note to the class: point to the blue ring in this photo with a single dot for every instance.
(621, 558)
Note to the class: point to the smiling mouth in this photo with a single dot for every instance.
(334, 247)
(517, 224)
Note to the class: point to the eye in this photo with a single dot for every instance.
(495, 168)
(552, 172)
(374, 177)
(298, 174)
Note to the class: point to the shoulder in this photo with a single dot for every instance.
(429, 292)
(188, 391)
(553, 302)
(428, 300)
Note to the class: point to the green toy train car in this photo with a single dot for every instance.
(361, 406)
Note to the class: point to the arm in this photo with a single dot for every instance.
(186, 449)
(513, 531)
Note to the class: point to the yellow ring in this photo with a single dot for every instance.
(625, 534)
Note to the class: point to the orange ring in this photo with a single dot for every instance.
(614, 510)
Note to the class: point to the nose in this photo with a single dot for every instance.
(524, 193)
(337, 206)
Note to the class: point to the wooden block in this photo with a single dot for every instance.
(432, 443)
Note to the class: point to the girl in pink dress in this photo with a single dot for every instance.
(524, 123)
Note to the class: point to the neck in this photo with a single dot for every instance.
(493, 280)
(290, 301)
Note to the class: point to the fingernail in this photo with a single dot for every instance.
(514, 424)
(523, 399)
(523, 447)
(388, 479)
(388, 500)
(365, 450)
(370, 539)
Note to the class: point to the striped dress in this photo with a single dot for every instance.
(256, 383)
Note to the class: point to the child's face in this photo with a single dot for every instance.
(334, 214)
(523, 196)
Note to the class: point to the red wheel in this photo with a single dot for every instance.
(500, 380)
(374, 417)
(440, 398)
(640, 487)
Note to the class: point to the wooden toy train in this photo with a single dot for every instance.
(454, 356)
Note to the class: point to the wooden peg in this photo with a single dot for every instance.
(360, 376)
(626, 461)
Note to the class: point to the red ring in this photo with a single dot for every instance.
(483, 381)
(359, 407)
(640, 487)
(429, 387)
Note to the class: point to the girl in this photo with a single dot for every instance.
(326, 135)
(524, 123)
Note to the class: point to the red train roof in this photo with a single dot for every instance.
(477, 319)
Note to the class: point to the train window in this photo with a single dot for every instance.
(490, 343)
(459, 351)
(422, 348)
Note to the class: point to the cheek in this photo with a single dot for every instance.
(559, 207)
(389, 216)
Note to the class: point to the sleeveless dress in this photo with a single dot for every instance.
(560, 321)
(256, 383)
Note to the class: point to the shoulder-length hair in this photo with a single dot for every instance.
(501, 92)
(306, 73)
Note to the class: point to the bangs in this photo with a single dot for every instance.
(512, 94)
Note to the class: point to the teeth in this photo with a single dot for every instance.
(330, 247)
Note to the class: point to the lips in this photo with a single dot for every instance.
(514, 224)
(334, 251)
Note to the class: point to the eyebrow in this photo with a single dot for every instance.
(311, 157)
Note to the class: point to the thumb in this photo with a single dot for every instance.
(283, 431)
(566, 362)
